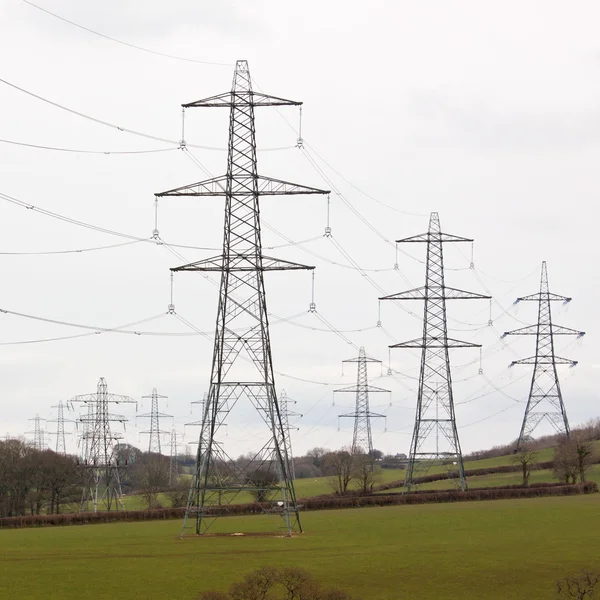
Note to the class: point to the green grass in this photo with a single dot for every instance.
(501, 479)
(506, 549)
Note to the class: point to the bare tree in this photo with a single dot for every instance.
(525, 458)
(256, 585)
(151, 477)
(366, 472)
(573, 457)
(583, 449)
(584, 586)
(565, 467)
(264, 482)
(316, 454)
(339, 465)
(270, 583)
(178, 492)
(298, 584)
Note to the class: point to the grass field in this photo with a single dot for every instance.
(505, 549)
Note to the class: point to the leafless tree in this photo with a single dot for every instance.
(178, 492)
(573, 457)
(583, 449)
(366, 472)
(585, 586)
(525, 458)
(270, 583)
(151, 477)
(256, 585)
(339, 466)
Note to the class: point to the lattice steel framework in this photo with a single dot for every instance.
(545, 401)
(61, 446)
(39, 440)
(362, 440)
(435, 436)
(286, 413)
(174, 450)
(242, 369)
(102, 481)
(154, 415)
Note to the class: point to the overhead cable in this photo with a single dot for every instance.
(134, 46)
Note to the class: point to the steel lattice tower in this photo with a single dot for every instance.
(61, 447)
(173, 465)
(435, 436)
(545, 397)
(103, 484)
(39, 441)
(154, 415)
(242, 369)
(362, 441)
(286, 413)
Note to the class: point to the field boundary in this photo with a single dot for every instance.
(318, 503)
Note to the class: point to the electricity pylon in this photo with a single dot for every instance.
(61, 447)
(154, 415)
(174, 450)
(362, 441)
(242, 370)
(103, 483)
(435, 436)
(545, 401)
(286, 413)
(39, 441)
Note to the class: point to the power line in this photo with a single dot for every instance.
(75, 251)
(178, 143)
(81, 151)
(404, 212)
(134, 46)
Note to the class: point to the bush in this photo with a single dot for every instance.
(290, 583)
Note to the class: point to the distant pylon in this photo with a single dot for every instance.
(435, 398)
(242, 331)
(39, 440)
(103, 482)
(362, 440)
(61, 447)
(545, 401)
(286, 413)
(154, 415)
(174, 451)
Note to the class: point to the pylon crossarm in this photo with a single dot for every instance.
(433, 236)
(435, 343)
(545, 328)
(445, 293)
(543, 296)
(544, 360)
(241, 99)
(362, 388)
(264, 186)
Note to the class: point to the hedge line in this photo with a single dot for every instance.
(319, 503)
(468, 473)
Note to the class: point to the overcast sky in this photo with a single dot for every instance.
(485, 112)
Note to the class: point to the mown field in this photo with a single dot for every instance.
(505, 549)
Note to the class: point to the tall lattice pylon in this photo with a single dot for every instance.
(435, 436)
(61, 446)
(545, 401)
(102, 483)
(286, 413)
(362, 440)
(155, 416)
(39, 439)
(174, 445)
(242, 370)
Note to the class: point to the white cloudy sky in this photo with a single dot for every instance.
(485, 112)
